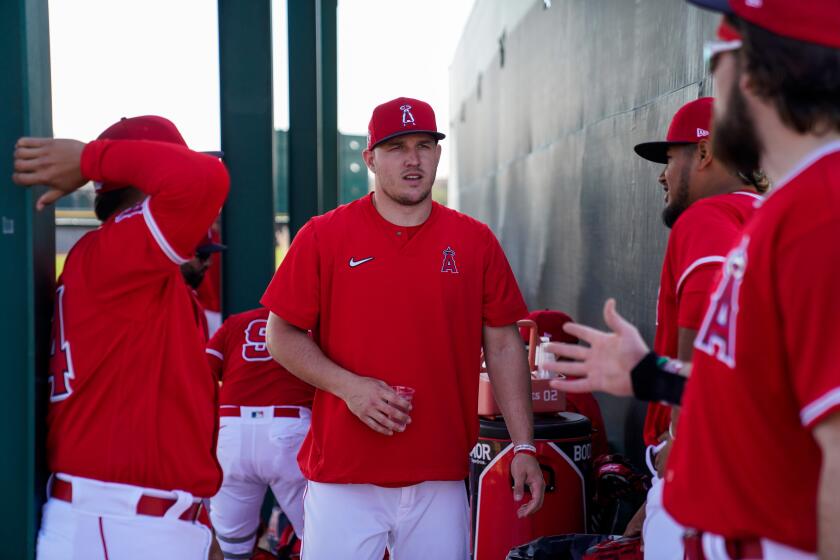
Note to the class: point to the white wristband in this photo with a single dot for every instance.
(524, 447)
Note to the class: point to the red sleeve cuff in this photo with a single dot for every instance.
(294, 319)
(506, 319)
(89, 163)
(820, 408)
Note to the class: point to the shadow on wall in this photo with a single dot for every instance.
(543, 140)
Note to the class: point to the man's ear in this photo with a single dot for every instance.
(367, 155)
(704, 154)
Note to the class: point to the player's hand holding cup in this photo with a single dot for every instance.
(378, 405)
(405, 401)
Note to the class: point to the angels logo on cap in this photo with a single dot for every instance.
(407, 117)
(399, 116)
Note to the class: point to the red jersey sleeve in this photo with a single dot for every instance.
(807, 271)
(703, 236)
(294, 292)
(693, 299)
(502, 302)
(186, 188)
(216, 350)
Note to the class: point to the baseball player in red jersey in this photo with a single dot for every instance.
(194, 271)
(210, 290)
(264, 416)
(758, 477)
(399, 291)
(706, 208)
(132, 416)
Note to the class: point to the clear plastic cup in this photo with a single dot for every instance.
(405, 392)
(544, 357)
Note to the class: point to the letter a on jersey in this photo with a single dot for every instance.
(449, 261)
(61, 362)
(717, 333)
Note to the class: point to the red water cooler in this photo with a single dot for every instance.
(564, 451)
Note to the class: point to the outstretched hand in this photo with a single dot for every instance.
(53, 162)
(606, 363)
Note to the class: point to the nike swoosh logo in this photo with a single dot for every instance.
(354, 263)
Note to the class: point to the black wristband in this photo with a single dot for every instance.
(651, 382)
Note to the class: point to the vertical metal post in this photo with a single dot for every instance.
(305, 175)
(27, 246)
(247, 124)
(328, 86)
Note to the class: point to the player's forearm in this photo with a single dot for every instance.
(185, 177)
(295, 350)
(507, 367)
(827, 434)
(828, 509)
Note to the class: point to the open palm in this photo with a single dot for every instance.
(605, 364)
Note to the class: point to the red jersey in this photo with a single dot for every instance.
(239, 358)
(132, 399)
(767, 353)
(406, 309)
(697, 246)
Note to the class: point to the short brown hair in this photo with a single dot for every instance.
(802, 80)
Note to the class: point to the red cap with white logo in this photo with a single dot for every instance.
(691, 124)
(400, 116)
(810, 21)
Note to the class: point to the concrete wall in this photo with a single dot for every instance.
(547, 104)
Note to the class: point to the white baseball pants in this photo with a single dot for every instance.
(102, 524)
(661, 534)
(257, 452)
(358, 521)
(714, 548)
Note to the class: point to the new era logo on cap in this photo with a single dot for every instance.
(403, 115)
(691, 124)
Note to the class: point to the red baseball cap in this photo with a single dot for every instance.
(692, 123)
(148, 127)
(549, 323)
(400, 116)
(810, 21)
(727, 39)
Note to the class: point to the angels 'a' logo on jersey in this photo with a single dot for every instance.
(449, 261)
(255, 348)
(718, 331)
(61, 361)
